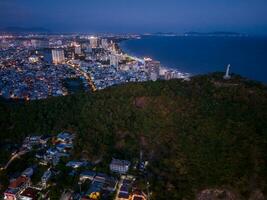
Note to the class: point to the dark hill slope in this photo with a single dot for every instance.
(206, 133)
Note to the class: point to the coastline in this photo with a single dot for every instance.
(163, 69)
(196, 55)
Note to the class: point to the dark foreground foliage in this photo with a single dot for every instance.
(205, 133)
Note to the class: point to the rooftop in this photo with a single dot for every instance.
(120, 162)
(18, 182)
(30, 192)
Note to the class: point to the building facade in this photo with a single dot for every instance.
(114, 60)
(93, 42)
(153, 69)
(119, 166)
(58, 56)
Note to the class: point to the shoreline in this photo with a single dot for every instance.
(212, 59)
(182, 75)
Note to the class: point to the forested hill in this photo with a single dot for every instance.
(201, 134)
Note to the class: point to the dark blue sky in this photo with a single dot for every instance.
(248, 16)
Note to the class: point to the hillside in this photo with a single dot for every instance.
(196, 135)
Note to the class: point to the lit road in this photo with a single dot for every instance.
(15, 156)
(136, 59)
(86, 75)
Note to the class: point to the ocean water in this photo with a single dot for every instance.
(200, 55)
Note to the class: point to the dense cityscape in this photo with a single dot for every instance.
(133, 100)
(38, 66)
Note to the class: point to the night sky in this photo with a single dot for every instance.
(137, 16)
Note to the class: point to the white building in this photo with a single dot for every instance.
(39, 43)
(78, 50)
(104, 43)
(58, 56)
(65, 137)
(114, 60)
(153, 68)
(93, 42)
(87, 175)
(119, 166)
(76, 164)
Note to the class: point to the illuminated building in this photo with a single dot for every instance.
(114, 60)
(78, 50)
(138, 195)
(93, 42)
(33, 59)
(58, 56)
(119, 166)
(104, 43)
(153, 68)
(39, 43)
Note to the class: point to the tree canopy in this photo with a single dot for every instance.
(203, 133)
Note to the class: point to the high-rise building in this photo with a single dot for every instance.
(58, 56)
(113, 47)
(26, 43)
(104, 43)
(172, 75)
(42, 43)
(114, 60)
(34, 43)
(153, 68)
(93, 42)
(78, 49)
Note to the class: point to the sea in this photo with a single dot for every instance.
(200, 54)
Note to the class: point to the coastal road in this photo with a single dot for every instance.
(15, 156)
(86, 75)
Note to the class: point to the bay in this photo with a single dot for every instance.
(201, 55)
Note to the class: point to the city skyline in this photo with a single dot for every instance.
(136, 16)
(133, 99)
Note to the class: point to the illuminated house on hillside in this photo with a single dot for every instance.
(119, 166)
(15, 188)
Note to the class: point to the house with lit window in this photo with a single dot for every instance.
(65, 137)
(30, 194)
(119, 166)
(87, 175)
(16, 187)
(138, 195)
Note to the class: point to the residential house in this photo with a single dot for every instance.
(16, 187)
(30, 194)
(110, 184)
(28, 172)
(76, 164)
(138, 195)
(65, 137)
(119, 166)
(62, 147)
(87, 175)
(46, 176)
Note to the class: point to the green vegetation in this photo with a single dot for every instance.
(200, 134)
(73, 85)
